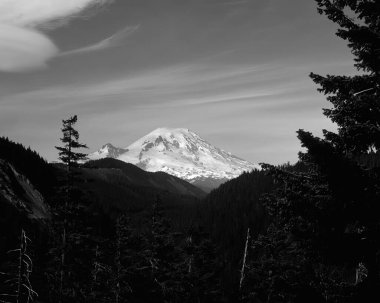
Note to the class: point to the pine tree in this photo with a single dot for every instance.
(101, 276)
(70, 139)
(328, 216)
(164, 265)
(162, 254)
(356, 110)
(72, 232)
(124, 260)
(200, 269)
(73, 256)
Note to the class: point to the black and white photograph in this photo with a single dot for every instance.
(189, 151)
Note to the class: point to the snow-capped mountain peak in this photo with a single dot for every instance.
(107, 151)
(179, 152)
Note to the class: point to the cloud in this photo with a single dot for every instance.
(32, 13)
(22, 45)
(112, 41)
(182, 85)
(23, 49)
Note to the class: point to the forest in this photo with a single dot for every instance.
(304, 232)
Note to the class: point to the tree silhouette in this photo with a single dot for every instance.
(70, 139)
(68, 214)
(327, 217)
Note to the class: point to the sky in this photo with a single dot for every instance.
(233, 71)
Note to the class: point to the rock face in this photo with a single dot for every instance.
(181, 153)
(17, 194)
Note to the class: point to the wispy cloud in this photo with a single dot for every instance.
(36, 13)
(264, 104)
(22, 45)
(112, 41)
(176, 86)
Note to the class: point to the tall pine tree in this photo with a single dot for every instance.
(328, 216)
(67, 153)
(73, 234)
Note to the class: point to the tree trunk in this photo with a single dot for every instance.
(244, 260)
(62, 271)
(20, 266)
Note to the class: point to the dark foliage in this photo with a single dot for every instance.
(226, 214)
(323, 244)
(233, 207)
(29, 163)
(315, 226)
(70, 139)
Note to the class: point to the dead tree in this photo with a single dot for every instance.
(19, 287)
(244, 260)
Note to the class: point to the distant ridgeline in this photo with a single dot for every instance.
(29, 163)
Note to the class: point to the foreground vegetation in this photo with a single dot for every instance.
(303, 233)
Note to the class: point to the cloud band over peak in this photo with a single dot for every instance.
(22, 46)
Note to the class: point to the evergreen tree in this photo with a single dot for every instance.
(125, 259)
(132, 273)
(200, 269)
(163, 256)
(72, 243)
(354, 188)
(328, 216)
(181, 269)
(67, 153)
(101, 276)
(227, 212)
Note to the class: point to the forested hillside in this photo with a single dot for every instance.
(29, 163)
(107, 231)
(227, 213)
(323, 243)
(133, 253)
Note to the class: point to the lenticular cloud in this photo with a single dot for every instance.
(22, 46)
(22, 49)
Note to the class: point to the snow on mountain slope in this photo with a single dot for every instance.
(181, 153)
(107, 151)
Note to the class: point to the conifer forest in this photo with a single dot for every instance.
(88, 228)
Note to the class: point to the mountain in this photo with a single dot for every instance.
(108, 151)
(109, 169)
(181, 153)
(118, 186)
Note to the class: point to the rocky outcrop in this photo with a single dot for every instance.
(18, 195)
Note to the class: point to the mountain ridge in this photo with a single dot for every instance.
(181, 153)
(136, 176)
